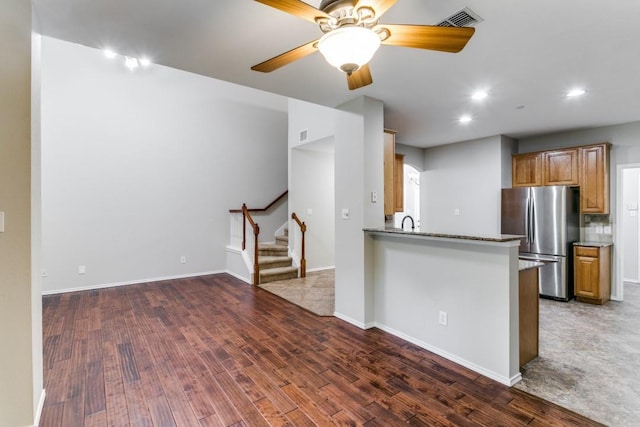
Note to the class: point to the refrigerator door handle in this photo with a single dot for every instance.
(526, 222)
(532, 218)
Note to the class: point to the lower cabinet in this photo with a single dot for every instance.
(592, 274)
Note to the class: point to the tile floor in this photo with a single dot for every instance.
(589, 358)
(316, 292)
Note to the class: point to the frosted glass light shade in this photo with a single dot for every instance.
(349, 48)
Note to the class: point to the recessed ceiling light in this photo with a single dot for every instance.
(576, 92)
(109, 53)
(465, 119)
(145, 62)
(479, 95)
(131, 63)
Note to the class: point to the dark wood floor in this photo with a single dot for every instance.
(213, 351)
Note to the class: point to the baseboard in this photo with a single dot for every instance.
(36, 420)
(312, 270)
(354, 322)
(467, 364)
(631, 282)
(239, 277)
(131, 282)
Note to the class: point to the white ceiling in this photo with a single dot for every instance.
(526, 54)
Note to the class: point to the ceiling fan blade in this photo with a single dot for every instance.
(297, 8)
(380, 6)
(286, 58)
(445, 39)
(359, 78)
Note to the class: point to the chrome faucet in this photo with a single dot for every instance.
(413, 226)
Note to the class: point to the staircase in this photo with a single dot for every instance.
(275, 263)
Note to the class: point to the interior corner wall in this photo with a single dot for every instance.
(465, 177)
(413, 156)
(141, 168)
(20, 389)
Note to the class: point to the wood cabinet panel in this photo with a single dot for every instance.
(398, 183)
(594, 179)
(560, 167)
(592, 274)
(389, 163)
(528, 296)
(526, 170)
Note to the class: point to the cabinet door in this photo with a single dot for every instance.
(594, 179)
(560, 167)
(389, 162)
(526, 170)
(398, 183)
(587, 277)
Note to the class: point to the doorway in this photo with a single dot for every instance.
(628, 230)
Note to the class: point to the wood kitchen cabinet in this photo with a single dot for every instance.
(389, 166)
(560, 167)
(586, 166)
(398, 183)
(528, 294)
(592, 274)
(594, 179)
(526, 170)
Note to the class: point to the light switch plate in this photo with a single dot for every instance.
(1, 222)
(345, 213)
(374, 197)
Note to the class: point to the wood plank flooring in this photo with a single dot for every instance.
(213, 351)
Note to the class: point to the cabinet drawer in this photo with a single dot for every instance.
(587, 251)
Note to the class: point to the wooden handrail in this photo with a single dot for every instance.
(256, 231)
(261, 209)
(303, 229)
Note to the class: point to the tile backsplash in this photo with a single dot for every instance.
(596, 228)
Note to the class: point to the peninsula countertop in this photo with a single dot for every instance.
(498, 238)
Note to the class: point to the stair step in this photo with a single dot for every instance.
(270, 249)
(282, 240)
(270, 262)
(280, 273)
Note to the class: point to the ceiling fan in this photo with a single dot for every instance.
(353, 33)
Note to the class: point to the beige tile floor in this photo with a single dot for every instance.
(589, 358)
(316, 292)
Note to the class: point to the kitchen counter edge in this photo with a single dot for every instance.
(500, 239)
(593, 244)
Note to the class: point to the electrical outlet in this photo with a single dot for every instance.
(183, 259)
(456, 212)
(44, 272)
(82, 269)
(443, 318)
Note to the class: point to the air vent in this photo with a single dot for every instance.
(464, 18)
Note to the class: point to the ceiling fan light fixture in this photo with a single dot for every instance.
(349, 48)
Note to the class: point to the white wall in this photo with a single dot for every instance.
(141, 168)
(625, 150)
(630, 217)
(358, 136)
(312, 184)
(20, 327)
(466, 176)
(413, 156)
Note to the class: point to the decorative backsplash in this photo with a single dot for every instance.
(597, 228)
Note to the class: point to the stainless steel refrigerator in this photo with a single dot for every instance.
(548, 218)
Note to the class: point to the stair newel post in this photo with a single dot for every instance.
(256, 266)
(244, 226)
(303, 260)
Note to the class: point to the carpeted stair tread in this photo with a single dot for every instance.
(280, 273)
(282, 240)
(270, 262)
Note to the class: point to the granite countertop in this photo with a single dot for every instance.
(524, 264)
(495, 238)
(593, 244)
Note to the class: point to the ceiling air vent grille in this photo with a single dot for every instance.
(464, 18)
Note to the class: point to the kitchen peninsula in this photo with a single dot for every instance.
(456, 296)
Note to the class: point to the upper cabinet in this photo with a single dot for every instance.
(560, 167)
(526, 170)
(389, 167)
(594, 179)
(586, 166)
(398, 183)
